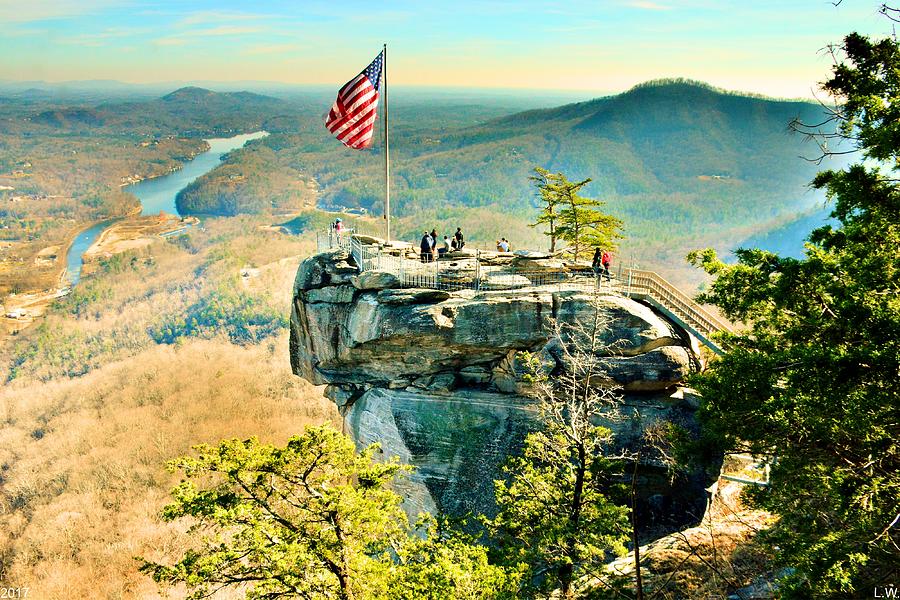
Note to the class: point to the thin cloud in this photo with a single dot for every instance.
(205, 17)
(646, 5)
(29, 32)
(272, 48)
(170, 41)
(224, 30)
(102, 37)
(184, 37)
(44, 10)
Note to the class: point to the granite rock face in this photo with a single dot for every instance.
(358, 330)
(434, 375)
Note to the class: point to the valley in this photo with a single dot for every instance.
(176, 329)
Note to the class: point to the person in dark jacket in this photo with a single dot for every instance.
(596, 263)
(425, 248)
(434, 242)
(458, 236)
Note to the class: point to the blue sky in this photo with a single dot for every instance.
(762, 46)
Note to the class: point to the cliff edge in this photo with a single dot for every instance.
(433, 375)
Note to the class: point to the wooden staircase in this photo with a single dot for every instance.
(678, 306)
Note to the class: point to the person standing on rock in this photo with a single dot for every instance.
(458, 236)
(425, 247)
(597, 263)
(434, 241)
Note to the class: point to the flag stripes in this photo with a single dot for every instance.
(352, 117)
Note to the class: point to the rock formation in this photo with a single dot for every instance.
(434, 376)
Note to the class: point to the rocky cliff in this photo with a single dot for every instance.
(434, 376)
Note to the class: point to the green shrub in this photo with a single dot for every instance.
(244, 318)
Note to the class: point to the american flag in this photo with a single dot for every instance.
(352, 118)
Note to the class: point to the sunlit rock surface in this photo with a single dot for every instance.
(434, 377)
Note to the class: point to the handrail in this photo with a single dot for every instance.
(647, 285)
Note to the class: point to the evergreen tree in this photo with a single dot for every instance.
(572, 217)
(548, 190)
(813, 381)
(314, 519)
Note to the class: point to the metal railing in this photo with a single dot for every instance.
(649, 286)
(475, 273)
(331, 239)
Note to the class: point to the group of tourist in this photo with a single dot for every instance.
(429, 246)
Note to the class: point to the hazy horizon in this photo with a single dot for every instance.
(768, 48)
(264, 87)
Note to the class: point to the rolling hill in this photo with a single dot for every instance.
(683, 163)
(189, 111)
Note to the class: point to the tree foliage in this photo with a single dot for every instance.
(445, 563)
(245, 318)
(310, 519)
(554, 511)
(572, 217)
(813, 381)
(545, 181)
(314, 519)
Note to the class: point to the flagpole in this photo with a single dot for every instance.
(387, 152)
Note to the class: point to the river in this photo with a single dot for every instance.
(158, 194)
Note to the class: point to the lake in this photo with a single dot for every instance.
(158, 194)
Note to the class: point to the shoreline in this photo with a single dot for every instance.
(180, 167)
(70, 240)
(262, 133)
(58, 280)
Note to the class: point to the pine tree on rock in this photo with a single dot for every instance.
(315, 519)
(573, 218)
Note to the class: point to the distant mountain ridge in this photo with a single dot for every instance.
(189, 93)
(684, 164)
(657, 124)
(198, 95)
(70, 117)
(190, 111)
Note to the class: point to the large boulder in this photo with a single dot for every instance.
(370, 331)
(437, 376)
(459, 443)
(527, 264)
(375, 280)
(658, 369)
(456, 446)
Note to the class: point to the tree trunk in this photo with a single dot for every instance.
(552, 223)
(567, 571)
(343, 569)
(638, 581)
(346, 593)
